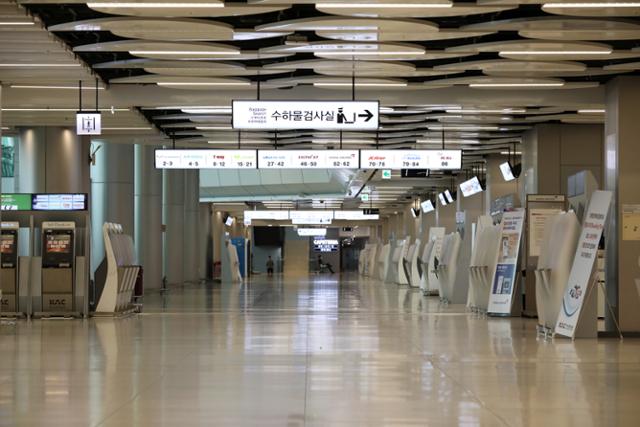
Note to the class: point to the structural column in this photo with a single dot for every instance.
(173, 219)
(30, 170)
(148, 215)
(111, 193)
(192, 237)
(622, 175)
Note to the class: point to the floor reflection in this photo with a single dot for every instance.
(318, 350)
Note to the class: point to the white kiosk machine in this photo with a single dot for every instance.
(58, 266)
(9, 271)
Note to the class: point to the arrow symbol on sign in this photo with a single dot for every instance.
(368, 115)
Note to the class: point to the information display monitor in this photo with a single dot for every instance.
(58, 249)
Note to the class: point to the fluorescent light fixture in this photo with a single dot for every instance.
(509, 173)
(128, 128)
(362, 84)
(383, 5)
(471, 187)
(558, 84)
(583, 5)
(486, 111)
(4, 128)
(54, 87)
(203, 83)
(592, 111)
(157, 5)
(183, 52)
(555, 52)
(14, 65)
(427, 206)
(213, 110)
(450, 198)
(443, 199)
(312, 232)
(57, 110)
(462, 127)
(368, 52)
(16, 23)
(214, 127)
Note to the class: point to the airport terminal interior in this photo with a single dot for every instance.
(320, 213)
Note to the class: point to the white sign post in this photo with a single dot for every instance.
(88, 123)
(504, 281)
(321, 115)
(581, 279)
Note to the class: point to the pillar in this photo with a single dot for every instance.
(30, 177)
(205, 258)
(496, 185)
(621, 176)
(111, 193)
(173, 220)
(148, 215)
(192, 237)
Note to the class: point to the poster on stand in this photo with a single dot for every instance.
(503, 285)
(580, 277)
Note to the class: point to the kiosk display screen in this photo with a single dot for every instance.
(8, 249)
(58, 249)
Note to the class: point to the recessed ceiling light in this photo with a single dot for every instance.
(559, 84)
(61, 109)
(555, 52)
(592, 111)
(583, 5)
(219, 110)
(54, 87)
(366, 52)
(214, 127)
(486, 111)
(383, 5)
(158, 5)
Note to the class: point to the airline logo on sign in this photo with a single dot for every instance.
(411, 159)
(322, 115)
(206, 159)
(308, 159)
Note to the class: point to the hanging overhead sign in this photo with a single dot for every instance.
(360, 215)
(206, 159)
(411, 159)
(89, 123)
(321, 115)
(308, 159)
(310, 217)
(504, 280)
(580, 278)
(267, 215)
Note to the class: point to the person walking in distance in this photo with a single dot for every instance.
(269, 266)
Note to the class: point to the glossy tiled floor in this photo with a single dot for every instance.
(315, 352)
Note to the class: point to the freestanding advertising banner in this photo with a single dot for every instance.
(503, 286)
(580, 279)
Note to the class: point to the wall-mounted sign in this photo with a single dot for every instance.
(310, 217)
(89, 123)
(326, 245)
(386, 174)
(411, 159)
(321, 115)
(355, 216)
(267, 215)
(206, 159)
(16, 202)
(59, 202)
(308, 159)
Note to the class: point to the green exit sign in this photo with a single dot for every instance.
(364, 197)
(386, 174)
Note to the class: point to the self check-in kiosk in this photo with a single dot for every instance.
(9, 282)
(58, 262)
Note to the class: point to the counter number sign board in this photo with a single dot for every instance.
(89, 123)
(504, 280)
(411, 159)
(206, 159)
(580, 277)
(320, 115)
(308, 159)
